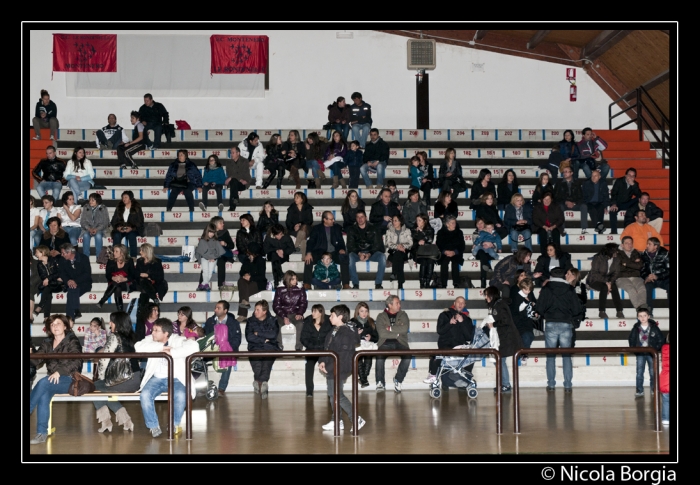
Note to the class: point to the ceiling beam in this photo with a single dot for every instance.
(480, 34)
(602, 43)
(537, 38)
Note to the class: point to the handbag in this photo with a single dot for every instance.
(105, 253)
(118, 370)
(80, 384)
(428, 251)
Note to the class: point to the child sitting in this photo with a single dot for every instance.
(354, 160)
(391, 185)
(96, 336)
(488, 234)
(416, 173)
(326, 274)
(208, 251)
(645, 333)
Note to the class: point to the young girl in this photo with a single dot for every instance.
(186, 326)
(96, 336)
(268, 217)
(541, 188)
(354, 160)
(326, 274)
(208, 251)
(364, 325)
(337, 148)
(214, 178)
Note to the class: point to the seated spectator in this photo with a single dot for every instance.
(110, 136)
(79, 173)
(326, 237)
(294, 152)
(289, 306)
(182, 177)
(252, 279)
(391, 185)
(553, 163)
(428, 176)
(506, 189)
(94, 221)
(45, 117)
(339, 117)
(354, 159)
(126, 152)
(337, 148)
(487, 211)
(313, 336)
(641, 231)
(383, 211)
(597, 200)
(300, 218)
(55, 237)
(261, 333)
(655, 215)
(450, 242)
(224, 239)
(365, 244)
(360, 119)
(315, 150)
(214, 178)
(553, 258)
(398, 242)
(247, 235)
(450, 174)
(624, 195)
(229, 334)
(454, 328)
(151, 278)
(483, 184)
(50, 277)
(44, 214)
(278, 245)
(605, 269)
(364, 325)
(568, 148)
(145, 321)
(35, 221)
(121, 275)
(154, 116)
(351, 206)
(274, 161)
(548, 221)
(630, 267)
(504, 274)
(488, 235)
(207, 252)
(446, 206)
(423, 234)
(413, 206)
(48, 174)
(70, 212)
(238, 180)
(569, 195)
(375, 158)
(76, 274)
(656, 271)
(591, 158)
(415, 173)
(326, 274)
(518, 222)
(95, 336)
(267, 217)
(543, 186)
(392, 326)
(128, 222)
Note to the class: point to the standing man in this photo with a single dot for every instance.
(233, 329)
(74, 270)
(360, 119)
(624, 195)
(48, 174)
(641, 231)
(630, 267)
(253, 151)
(591, 158)
(569, 195)
(326, 237)
(655, 215)
(155, 377)
(392, 327)
(561, 308)
(111, 135)
(153, 116)
(375, 158)
(656, 271)
(365, 244)
(238, 172)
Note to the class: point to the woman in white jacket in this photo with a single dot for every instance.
(398, 241)
(79, 173)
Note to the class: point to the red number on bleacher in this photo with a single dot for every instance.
(354, 295)
(450, 292)
(419, 293)
(610, 238)
(485, 133)
(387, 293)
(523, 171)
(219, 133)
(166, 153)
(490, 152)
(582, 238)
(437, 132)
(516, 152)
(475, 264)
(166, 266)
(390, 132)
(92, 296)
(206, 215)
(100, 192)
(59, 296)
(536, 360)
(459, 132)
(108, 172)
(508, 133)
(319, 192)
(555, 133)
(531, 133)
(425, 325)
(243, 133)
(413, 133)
(126, 296)
(393, 152)
(172, 240)
(177, 215)
(467, 152)
(589, 323)
(569, 214)
(192, 153)
(148, 215)
(70, 132)
(268, 133)
(103, 266)
(540, 152)
(192, 295)
(141, 240)
(264, 192)
(197, 266)
(605, 359)
(622, 324)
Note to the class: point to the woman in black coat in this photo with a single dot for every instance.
(507, 188)
(268, 216)
(446, 206)
(523, 309)
(508, 335)
(423, 233)
(488, 211)
(252, 279)
(541, 188)
(150, 276)
(128, 222)
(313, 335)
(120, 274)
(450, 242)
(300, 218)
(277, 247)
(483, 184)
(246, 235)
(47, 267)
(554, 258)
(451, 173)
(350, 207)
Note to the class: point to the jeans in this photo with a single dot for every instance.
(336, 169)
(225, 376)
(73, 299)
(665, 405)
(155, 387)
(663, 284)
(73, 234)
(360, 132)
(585, 165)
(343, 128)
(42, 188)
(378, 258)
(40, 398)
(35, 237)
(98, 242)
(157, 128)
(344, 402)
(354, 177)
(320, 285)
(505, 377)
(130, 240)
(558, 334)
(642, 360)
(403, 366)
(513, 239)
(380, 169)
(314, 167)
(78, 188)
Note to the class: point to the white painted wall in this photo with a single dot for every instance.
(309, 69)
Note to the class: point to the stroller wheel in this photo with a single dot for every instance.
(435, 392)
(472, 393)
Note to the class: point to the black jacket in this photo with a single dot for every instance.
(234, 330)
(451, 241)
(311, 338)
(376, 214)
(505, 193)
(656, 337)
(79, 272)
(154, 114)
(255, 268)
(155, 273)
(441, 211)
(343, 343)
(264, 222)
(378, 150)
(49, 270)
(456, 172)
(489, 213)
(452, 335)
(272, 244)
(588, 188)
(539, 192)
(296, 216)
(69, 345)
(427, 235)
(50, 171)
(361, 113)
(130, 272)
(660, 265)
(508, 335)
(558, 302)
(620, 193)
(266, 330)
(561, 192)
(51, 110)
(367, 240)
(543, 264)
(134, 219)
(244, 238)
(523, 319)
(350, 215)
(318, 242)
(366, 328)
(478, 190)
(651, 210)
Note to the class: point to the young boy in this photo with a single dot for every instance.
(645, 333)
(354, 160)
(342, 340)
(488, 235)
(326, 274)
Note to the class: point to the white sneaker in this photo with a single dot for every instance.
(665, 422)
(51, 137)
(360, 423)
(380, 386)
(36, 138)
(330, 426)
(431, 378)
(397, 386)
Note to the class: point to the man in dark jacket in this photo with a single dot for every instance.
(326, 237)
(656, 271)
(223, 317)
(375, 158)
(365, 244)
(343, 341)
(454, 327)
(383, 211)
(111, 135)
(655, 215)
(360, 119)
(561, 308)
(48, 174)
(645, 333)
(74, 269)
(153, 116)
(624, 195)
(591, 158)
(261, 332)
(629, 279)
(238, 173)
(569, 195)
(597, 200)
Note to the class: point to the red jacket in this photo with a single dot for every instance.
(664, 385)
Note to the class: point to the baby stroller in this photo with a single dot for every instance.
(200, 370)
(453, 372)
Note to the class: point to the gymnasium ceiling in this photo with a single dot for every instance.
(618, 61)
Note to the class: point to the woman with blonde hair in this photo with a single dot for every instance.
(121, 274)
(366, 328)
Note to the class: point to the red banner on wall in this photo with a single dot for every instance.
(239, 54)
(85, 52)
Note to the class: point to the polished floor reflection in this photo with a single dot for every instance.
(590, 420)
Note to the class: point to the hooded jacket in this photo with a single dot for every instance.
(558, 302)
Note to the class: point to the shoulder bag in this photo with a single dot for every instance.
(80, 384)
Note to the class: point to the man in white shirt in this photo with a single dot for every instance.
(253, 151)
(155, 378)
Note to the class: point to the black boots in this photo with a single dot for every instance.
(363, 368)
(269, 180)
(426, 275)
(105, 297)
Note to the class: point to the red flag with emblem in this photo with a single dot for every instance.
(85, 52)
(239, 54)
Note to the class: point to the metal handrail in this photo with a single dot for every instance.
(584, 350)
(116, 355)
(426, 352)
(277, 354)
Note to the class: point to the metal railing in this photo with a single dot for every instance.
(116, 355)
(277, 355)
(584, 350)
(425, 352)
